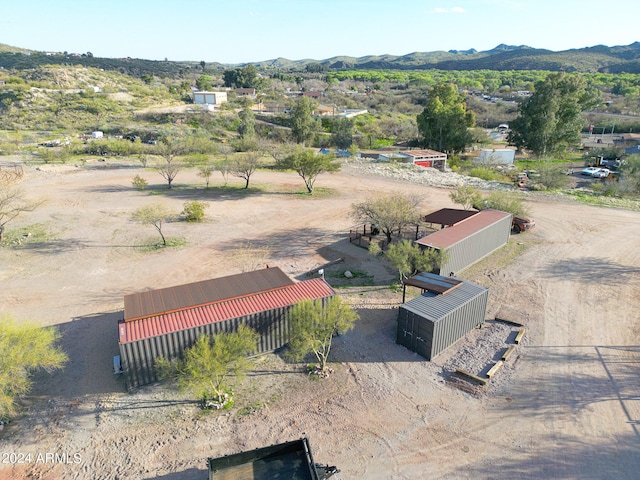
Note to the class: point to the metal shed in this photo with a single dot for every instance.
(470, 240)
(290, 460)
(153, 333)
(431, 322)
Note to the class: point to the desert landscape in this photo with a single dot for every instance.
(566, 405)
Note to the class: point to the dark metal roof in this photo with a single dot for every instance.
(448, 216)
(450, 236)
(152, 302)
(196, 315)
(433, 283)
(290, 460)
(435, 307)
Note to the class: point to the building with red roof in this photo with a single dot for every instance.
(165, 322)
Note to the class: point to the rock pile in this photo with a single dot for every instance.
(422, 175)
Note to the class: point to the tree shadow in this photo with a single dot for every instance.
(557, 384)
(559, 456)
(190, 474)
(56, 247)
(592, 270)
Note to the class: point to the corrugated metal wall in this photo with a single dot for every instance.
(475, 247)
(431, 323)
(138, 358)
(458, 323)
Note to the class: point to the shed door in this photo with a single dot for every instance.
(405, 331)
(423, 338)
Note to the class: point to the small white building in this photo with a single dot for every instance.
(209, 98)
(422, 158)
(495, 156)
(97, 134)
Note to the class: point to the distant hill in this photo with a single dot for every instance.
(4, 48)
(503, 57)
(599, 58)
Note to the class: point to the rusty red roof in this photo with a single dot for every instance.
(152, 302)
(448, 216)
(432, 283)
(183, 319)
(450, 236)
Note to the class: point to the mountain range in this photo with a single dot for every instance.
(599, 58)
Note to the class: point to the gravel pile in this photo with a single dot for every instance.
(422, 175)
(480, 349)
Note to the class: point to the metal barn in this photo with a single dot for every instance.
(442, 315)
(165, 322)
(470, 240)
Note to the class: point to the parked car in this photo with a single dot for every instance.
(601, 173)
(589, 171)
(522, 224)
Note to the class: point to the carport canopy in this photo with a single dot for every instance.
(430, 282)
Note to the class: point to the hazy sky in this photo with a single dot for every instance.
(241, 31)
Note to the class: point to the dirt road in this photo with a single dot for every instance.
(566, 406)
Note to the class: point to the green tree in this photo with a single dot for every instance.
(13, 202)
(630, 174)
(466, 196)
(445, 121)
(313, 327)
(205, 171)
(302, 123)
(342, 133)
(155, 214)
(247, 126)
(410, 259)
(245, 77)
(204, 83)
(243, 166)
(224, 166)
(211, 361)
(309, 165)
(26, 348)
(390, 212)
(549, 122)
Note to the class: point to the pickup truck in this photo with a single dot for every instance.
(522, 224)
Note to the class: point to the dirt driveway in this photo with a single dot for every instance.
(566, 406)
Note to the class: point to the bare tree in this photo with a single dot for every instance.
(390, 213)
(205, 171)
(168, 148)
(249, 257)
(12, 204)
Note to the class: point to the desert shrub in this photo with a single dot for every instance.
(486, 174)
(139, 182)
(194, 210)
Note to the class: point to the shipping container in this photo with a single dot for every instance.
(432, 322)
(146, 336)
(469, 240)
